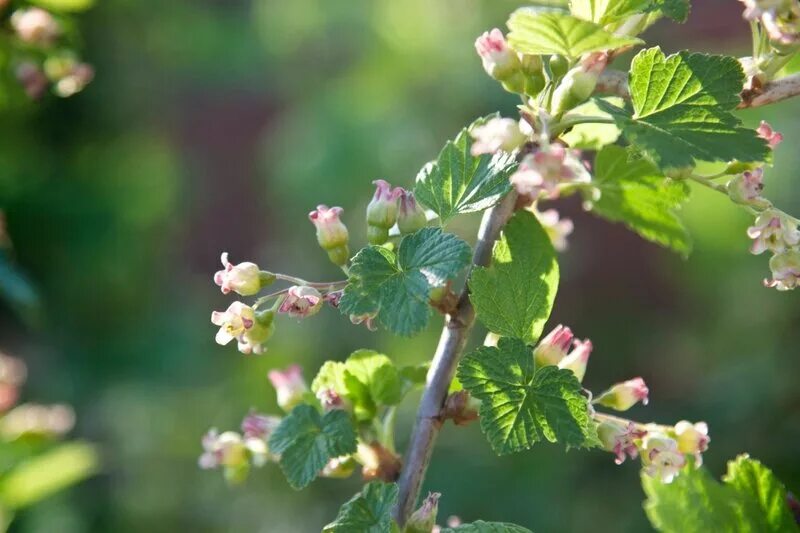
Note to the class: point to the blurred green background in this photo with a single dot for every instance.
(216, 125)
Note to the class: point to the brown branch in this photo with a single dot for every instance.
(615, 82)
(451, 346)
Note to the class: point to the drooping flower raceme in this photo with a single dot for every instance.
(301, 301)
(241, 322)
(495, 135)
(289, 386)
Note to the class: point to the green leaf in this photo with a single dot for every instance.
(682, 110)
(592, 136)
(552, 32)
(306, 441)
(638, 195)
(458, 182)
(486, 527)
(369, 511)
(43, 475)
(396, 286)
(372, 380)
(514, 296)
(604, 11)
(607, 11)
(66, 6)
(523, 405)
(751, 500)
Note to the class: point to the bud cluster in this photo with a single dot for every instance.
(663, 449)
(390, 206)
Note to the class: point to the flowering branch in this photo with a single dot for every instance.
(451, 346)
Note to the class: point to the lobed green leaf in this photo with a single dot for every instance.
(306, 441)
(522, 404)
(514, 296)
(369, 511)
(638, 195)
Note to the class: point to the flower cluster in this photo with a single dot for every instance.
(545, 173)
(773, 230)
(778, 17)
(40, 33)
(663, 449)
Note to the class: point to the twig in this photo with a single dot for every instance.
(615, 82)
(451, 345)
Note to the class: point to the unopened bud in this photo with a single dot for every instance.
(499, 60)
(578, 358)
(339, 467)
(378, 462)
(423, 519)
(554, 347)
(332, 234)
(625, 395)
(579, 83)
(382, 212)
(533, 73)
(558, 65)
(411, 216)
(289, 386)
(746, 188)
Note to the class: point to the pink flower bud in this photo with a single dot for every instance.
(495, 135)
(773, 231)
(746, 188)
(243, 278)
(301, 301)
(625, 395)
(578, 358)
(382, 211)
(542, 172)
(32, 79)
(424, 518)
(785, 269)
(258, 426)
(661, 457)
(35, 26)
(554, 347)
(766, 132)
(622, 440)
(331, 233)
(692, 439)
(241, 322)
(411, 216)
(558, 229)
(290, 386)
(499, 61)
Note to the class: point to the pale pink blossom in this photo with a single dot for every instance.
(301, 301)
(499, 61)
(289, 385)
(766, 132)
(554, 346)
(243, 278)
(239, 322)
(578, 359)
(258, 426)
(773, 231)
(332, 234)
(623, 440)
(77, 77)
(785, 269)
(625, 395)
(495, 135)
(557, 228)
(661, 457)
(543, 172)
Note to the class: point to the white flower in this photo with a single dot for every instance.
(557, 228)
(661, 457)
(693, 439)
(35, 26)
(240, 322)
(290, 386)
(773, 231)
